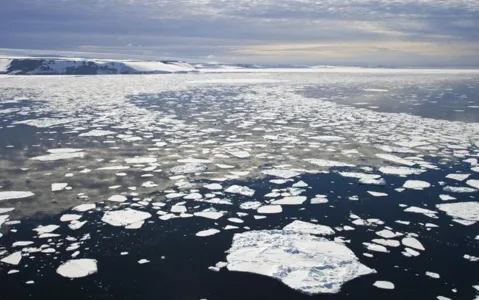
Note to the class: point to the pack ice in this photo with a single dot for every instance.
(302, 261)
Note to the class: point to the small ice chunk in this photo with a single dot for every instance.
(230, 227)
(419, 210)
(377, 194)
(281, 173)
(458, 189)
(468, 211)
(294, 200)
(416, 184)
(12, 259)
(458, 177)
(473, 182)
(124, 217)
(136, 225)
(387, 234)
(213, 186)
(58, 186)
(250, 205)
(235, 220)
(214, 215)
(59, 156)
(143, 261)
(77, 268)
(389, 243)
(45, 229)
(21, 243)
(242, 190)
(141, 160)
(413, 243)
(375, 247)
(328, 163)
(400, 171)
(300, 184)
(433, 275)
(207, 232)
(84, 207)
(384, 285)
(445, 197)
(117, 198)
(270, 209)
(69, 217)
(9, 195)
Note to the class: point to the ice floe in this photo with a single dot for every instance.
(9, 195)
(56, 187)
(12, 259)
(124, 217)
(281, 173)
(242, 190)
(207, 232)
(270, 209)
(384, 285)
(293, 200)
(467, 211)
(77, 268)
(416, 184)
(59, 156)
(303, 262)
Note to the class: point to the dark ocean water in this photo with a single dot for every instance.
(184, 274)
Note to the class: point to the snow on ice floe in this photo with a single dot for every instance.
(281, 173)
(124, 217)
(270, 209)
(207, 232)
(242, 190)
(77, 268)
(308, 228)
(384, 285)
(9, 195)
(416, 184)
(306, 263)
(467, 211)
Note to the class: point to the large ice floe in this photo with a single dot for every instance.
(296, 257)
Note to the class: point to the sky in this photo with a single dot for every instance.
(321, 32)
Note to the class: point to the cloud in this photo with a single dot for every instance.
(348, 31)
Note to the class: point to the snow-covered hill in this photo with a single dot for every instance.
(81, 66)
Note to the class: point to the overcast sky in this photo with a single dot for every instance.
(397, 32)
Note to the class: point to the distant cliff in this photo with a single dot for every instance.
(73, 66)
